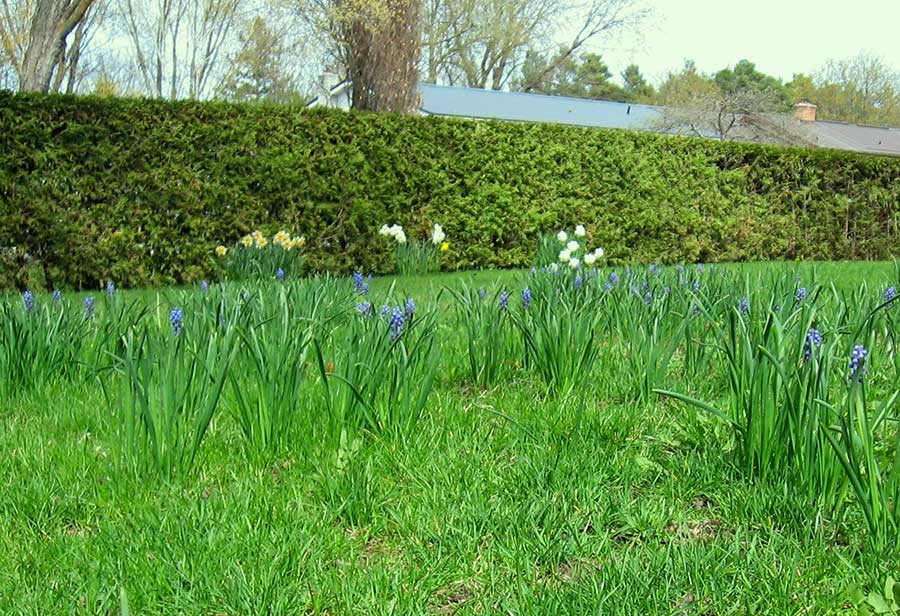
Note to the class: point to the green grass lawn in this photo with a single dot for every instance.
(505, 500)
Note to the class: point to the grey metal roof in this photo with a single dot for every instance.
(524, 107)
(855, 137)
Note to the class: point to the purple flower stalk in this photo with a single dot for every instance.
(89, 307)
(385, 311)
(614, 278)
(176, 319)
(800, 295)
(410, 308)
(579, 281)
(204, 286)
(28, 300)
(504, 300)
(279, 274)
(57, 296)
(110, 288)
(526, 298)
(365, 309)
(858, 363)
(744, 306)
(360, 284)
(396, 323)
(813, 341)
(890, 294)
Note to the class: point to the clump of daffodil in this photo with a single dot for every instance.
(445, 246)
(221, 251)
(281, 238)
(247, 241)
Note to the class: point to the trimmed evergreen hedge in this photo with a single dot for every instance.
(140, 191)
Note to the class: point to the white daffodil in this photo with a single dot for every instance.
(437, 235)
(580, 231)
(564, 256)
(554, 267)
(572, 246)
(384, 230)
(562, 236)
(574, 263)
(400, 236)
(590, 258)
(599, 253)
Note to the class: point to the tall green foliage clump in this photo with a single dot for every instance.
(141, 191)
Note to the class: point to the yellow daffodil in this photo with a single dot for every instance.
(262, 243)
(221, 251)
(445, 246)
(299, 241)
(282, 238)
(247, 240)
(257, 235)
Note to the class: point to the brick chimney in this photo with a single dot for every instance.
(805, 111)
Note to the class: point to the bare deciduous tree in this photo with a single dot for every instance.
(177, 44)
(482, 43)
(43, 40)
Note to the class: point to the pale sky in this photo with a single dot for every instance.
(782, 37)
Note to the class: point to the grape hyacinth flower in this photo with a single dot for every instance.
(648, 298)
(858, 363)
(614, 278)
(246, 296)
(110, 288)
(482, 292)
(28, 300)
(89, 307)
(360, 284)
(890, 294)
(813, 341)
(385, 311)
(396, 323)
(57, 296)
(204, 286)
(800, 295)
(410, 308)
(696, 286)
(365, 309)
(176, 319)
(279, 274)
(504, 300)
(680, 269)
(526, 298)
(608, 287)
(744, 306)
(579, 281)
(696, 310)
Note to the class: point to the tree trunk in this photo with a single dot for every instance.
(53, 21)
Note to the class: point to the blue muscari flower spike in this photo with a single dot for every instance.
(526, 298)
(246, 296)
(800, 295)
(279, 274)
(858, 363)
(204, 286)
(504, 300)
(396, 323)
(365, 309)
(648, 298)
(696, 310)
(28, 300)
(813, 341)
(614, 278)
(579, 281)
(534, 271)
(385, 311)
(699, 268)
(410, 308)
(110, 288)
(89, 307)
(176, 319)
(360, 283)
(744, 306)
(696, 286)
(680, 269)
(57, 296)
(482, 292)
(608, 287)
(890, 294)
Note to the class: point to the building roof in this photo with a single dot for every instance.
(525, 107)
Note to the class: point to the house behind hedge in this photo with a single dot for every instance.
(802, 128)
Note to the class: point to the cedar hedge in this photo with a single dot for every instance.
(140, 191)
